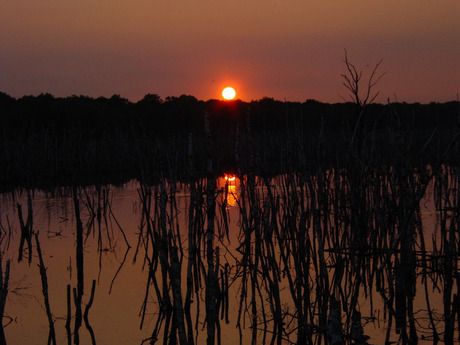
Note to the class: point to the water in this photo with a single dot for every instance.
(291, 259)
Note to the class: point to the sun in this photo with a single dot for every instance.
(228, 93)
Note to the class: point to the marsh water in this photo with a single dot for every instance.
(307, 259)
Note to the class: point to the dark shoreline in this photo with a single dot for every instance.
(47, 141)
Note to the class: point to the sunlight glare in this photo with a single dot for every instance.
(229, 177)
(228, 93)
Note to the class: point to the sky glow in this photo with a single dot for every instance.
(285, 50)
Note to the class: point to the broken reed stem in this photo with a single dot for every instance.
(69, 315)
(119, 269)
(26, 228)
(78, 316)
(192, 258)
(52, 333)
(79, 291)
(175, 277)
(79, 249)
(212, 269)
(85, 316)
(4, 279)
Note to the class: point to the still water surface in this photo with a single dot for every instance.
(282, 257)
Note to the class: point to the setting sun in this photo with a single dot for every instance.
(228, 93)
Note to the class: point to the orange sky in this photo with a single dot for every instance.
(289, 50)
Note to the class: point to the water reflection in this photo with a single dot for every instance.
(230, 186)
(328, 258)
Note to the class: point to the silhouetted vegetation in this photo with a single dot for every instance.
(318, 258)
(48, 140)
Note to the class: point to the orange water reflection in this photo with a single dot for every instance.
(267, 228)
(230, 185)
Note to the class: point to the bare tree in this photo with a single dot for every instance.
(352, 81)
(360, 97)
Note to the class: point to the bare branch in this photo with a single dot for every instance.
(371, 83)
(352, 79)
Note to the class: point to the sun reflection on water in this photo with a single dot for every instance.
(230, 189)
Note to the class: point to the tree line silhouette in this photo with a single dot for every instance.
(78, 139)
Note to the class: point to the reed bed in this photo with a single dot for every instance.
(311, 259)
(312, 251)
(330, 240)
(314, 244)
